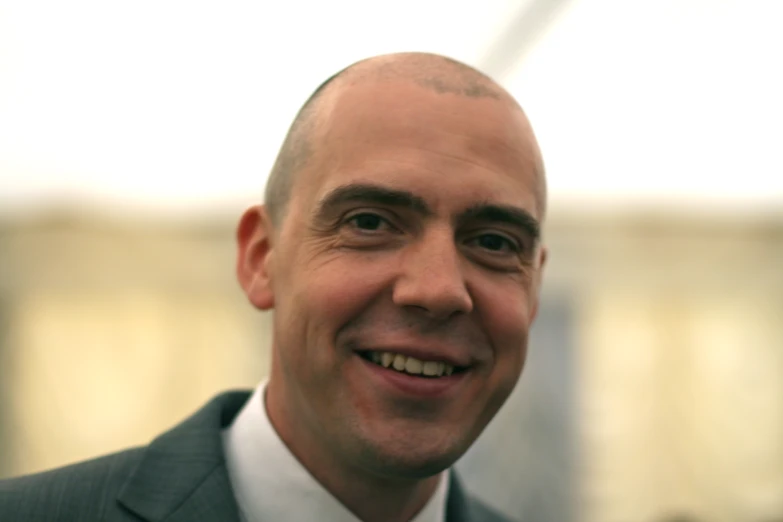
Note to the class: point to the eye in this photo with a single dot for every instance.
(368, 222)
(496, 243)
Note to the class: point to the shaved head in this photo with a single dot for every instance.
(433, 72)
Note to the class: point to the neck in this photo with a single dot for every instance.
(382, 501)
(366, 495)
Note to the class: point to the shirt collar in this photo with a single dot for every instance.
(271, 484)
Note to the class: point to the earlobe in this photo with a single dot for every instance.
(254, 255)
(542, 259)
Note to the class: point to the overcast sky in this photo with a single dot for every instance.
(182, 105)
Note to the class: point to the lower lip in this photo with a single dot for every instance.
(421, 387)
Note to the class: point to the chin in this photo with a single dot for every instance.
(414, 469)
(407, 461)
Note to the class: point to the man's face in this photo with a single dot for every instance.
(411, 233)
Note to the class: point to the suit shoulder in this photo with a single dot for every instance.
(80, 491)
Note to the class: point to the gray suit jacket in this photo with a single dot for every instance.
(181, 476)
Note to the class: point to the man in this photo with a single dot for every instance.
(399, 246)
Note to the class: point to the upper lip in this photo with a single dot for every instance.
(423, 353)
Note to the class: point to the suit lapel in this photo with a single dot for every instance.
(457, 503)
(182, 475)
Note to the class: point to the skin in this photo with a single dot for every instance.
(415, 223)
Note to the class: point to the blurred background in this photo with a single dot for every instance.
(132, 136)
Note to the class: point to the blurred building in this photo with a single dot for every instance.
(654, 385)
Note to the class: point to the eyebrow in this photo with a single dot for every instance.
(372, 194)
(507, 214)
(487, 212)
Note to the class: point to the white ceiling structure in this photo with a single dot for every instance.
(181, 106)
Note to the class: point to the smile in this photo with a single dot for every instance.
(410, 365)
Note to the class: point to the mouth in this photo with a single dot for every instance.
(405, 364)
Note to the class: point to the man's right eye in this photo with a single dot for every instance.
(367, 221)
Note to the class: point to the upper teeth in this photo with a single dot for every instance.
(411, 365)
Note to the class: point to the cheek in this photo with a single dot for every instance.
(506, 313)
(509, 326)
(335, 292)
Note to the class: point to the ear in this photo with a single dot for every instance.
(536, 290)
(254, 254)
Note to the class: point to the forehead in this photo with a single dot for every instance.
(442, 146)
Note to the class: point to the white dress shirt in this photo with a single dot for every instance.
(271, 484)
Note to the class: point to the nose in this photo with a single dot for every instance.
(431, 278)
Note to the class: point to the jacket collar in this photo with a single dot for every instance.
(458, 504)
(182, 474)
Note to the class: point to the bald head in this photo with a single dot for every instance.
(435, 73)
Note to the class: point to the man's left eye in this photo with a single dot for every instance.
(496, 243)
